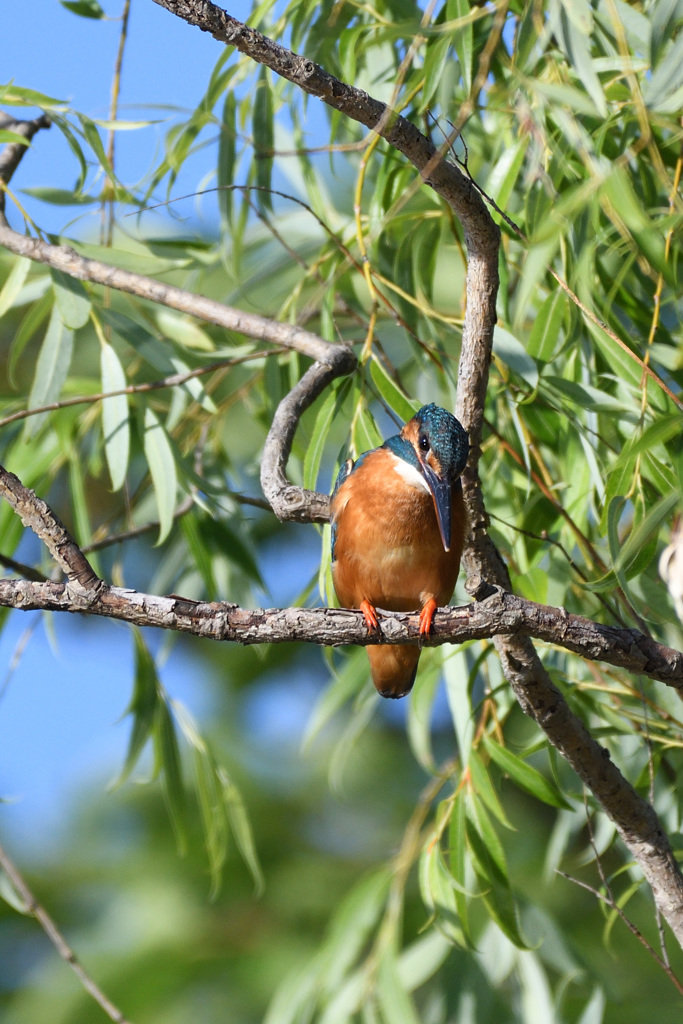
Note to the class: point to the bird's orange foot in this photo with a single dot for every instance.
(370, 616)
(427, 616)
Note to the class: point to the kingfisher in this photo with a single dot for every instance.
(398, 524)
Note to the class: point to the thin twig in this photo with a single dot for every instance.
(35, 909)
(113, 112)
(172, 381)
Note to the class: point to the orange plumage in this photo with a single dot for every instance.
(389, 549)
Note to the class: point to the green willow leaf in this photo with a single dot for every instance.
(396, 1005)
(484, 788)
(162, 468)
(524, 775)
(200, 552)
(438, 893)
(60, 196)
(264, 137)
(314, 451)
(434, 64)
(227, 156)
(209, 797)
(167, 758)
(344, 686)
(545, 337)
(457, 842)
(392, 394)
(71, 298)
(491, 867)
(365, 433)
(84, 8)
(15, 95)
(241, 829)
(511, 352)
(142, 706)
(351, 927)
(464, 39)
(14, 137)
(13, 283)
(10, 895)
(52, 368)
(115, 421)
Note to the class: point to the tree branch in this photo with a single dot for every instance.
(251, 325)
(30, 905)
(12, 154)
(500, 613)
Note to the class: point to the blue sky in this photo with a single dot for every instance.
(166, 64)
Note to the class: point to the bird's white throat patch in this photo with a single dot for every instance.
(411, 476)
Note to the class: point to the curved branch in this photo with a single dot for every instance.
(288, 501)
(13, 153)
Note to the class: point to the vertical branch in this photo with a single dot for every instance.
(111, 141)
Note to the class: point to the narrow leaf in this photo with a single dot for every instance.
(397, 1006)
(392, 394)
(85, 8)
(524, 775)
(241, 830)
(546, 336)
(142, 706)
(511, 352)
(13, 284)
(316, 445)
(52, 368)
(264, 136)
(489, 862)
(168, 760)
(10, 895)
(483, 787)
(115, 423)
(162, 469)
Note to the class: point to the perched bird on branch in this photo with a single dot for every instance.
(398, 524)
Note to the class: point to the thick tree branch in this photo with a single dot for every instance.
(40, 518)
(501, 613)
(288, 501)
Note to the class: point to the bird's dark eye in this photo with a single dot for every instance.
(424, 443)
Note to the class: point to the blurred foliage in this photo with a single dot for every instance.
(430, 893)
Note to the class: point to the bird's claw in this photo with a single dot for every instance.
(427, 617)
(370, 616)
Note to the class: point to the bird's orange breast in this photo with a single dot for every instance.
(388, 550)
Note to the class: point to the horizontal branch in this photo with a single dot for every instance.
(501, 613)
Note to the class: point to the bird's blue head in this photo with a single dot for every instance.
(441, 447)
(440, 441)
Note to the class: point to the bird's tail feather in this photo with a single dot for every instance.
(393, 668)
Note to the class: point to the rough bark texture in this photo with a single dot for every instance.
(500, 613)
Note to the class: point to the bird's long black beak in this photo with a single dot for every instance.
(441, 493)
